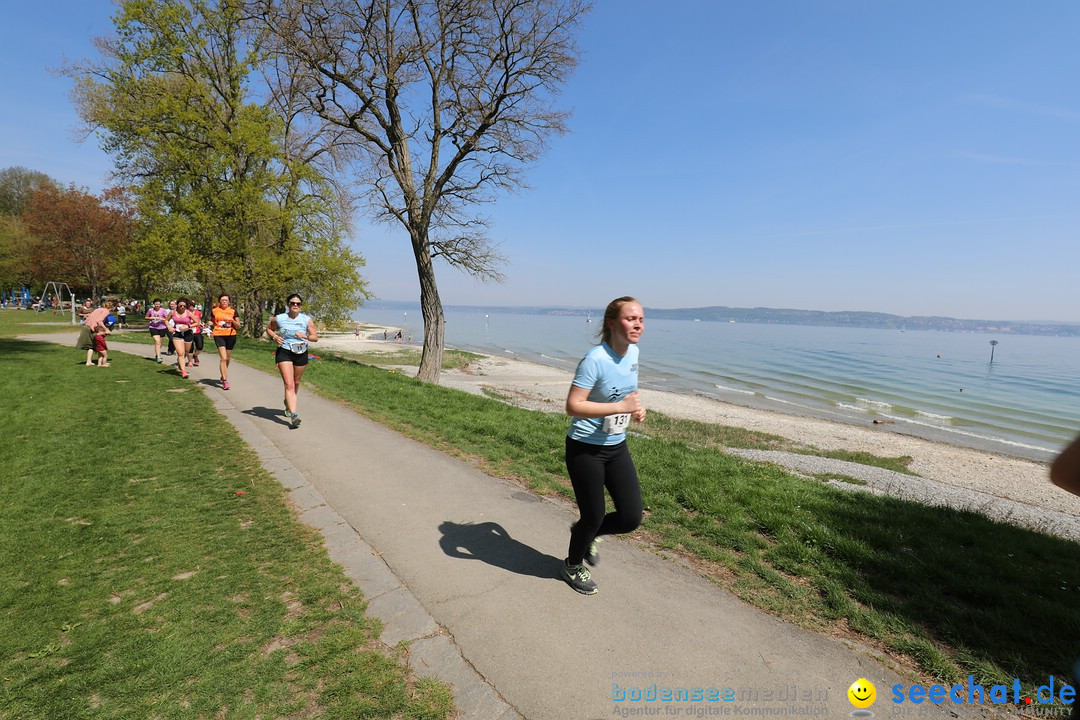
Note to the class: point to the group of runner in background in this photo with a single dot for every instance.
(180, 329)
(183, 326)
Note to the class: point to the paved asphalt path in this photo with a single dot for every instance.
(464, 568)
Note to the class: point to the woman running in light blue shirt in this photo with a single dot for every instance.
(603, 399)
(292, 331)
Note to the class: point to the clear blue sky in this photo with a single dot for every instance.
(903, 157)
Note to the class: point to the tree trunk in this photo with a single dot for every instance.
(251, 316)
(432, 312)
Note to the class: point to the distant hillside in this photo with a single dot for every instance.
(863, 320)
(778, 316)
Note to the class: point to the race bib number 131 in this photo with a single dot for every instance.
(615, 424)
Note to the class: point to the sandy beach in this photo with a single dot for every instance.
(1022, 484)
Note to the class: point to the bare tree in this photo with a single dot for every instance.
(443, 101)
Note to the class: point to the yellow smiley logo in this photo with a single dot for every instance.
(862, 693)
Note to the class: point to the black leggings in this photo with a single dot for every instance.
(593, 468)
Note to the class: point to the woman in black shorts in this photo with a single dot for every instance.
(292, 331)
(196, 335)
(180, 322)
(155, 319)
(225, 325)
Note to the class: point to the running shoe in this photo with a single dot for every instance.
(592, 553)
(195, 362)
(578, 577)
(183, 373)
(294, 419)
(224, 384)
(157, 359)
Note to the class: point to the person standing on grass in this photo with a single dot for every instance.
(101, 347)
(95, 321)
(292, 331)
(85, 309)
(180, 321)
(225, 325)
(602, 401)
(155, 323)
(85, 340)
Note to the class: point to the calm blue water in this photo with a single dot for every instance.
(1027, 403)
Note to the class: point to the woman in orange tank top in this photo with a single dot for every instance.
(225, 325)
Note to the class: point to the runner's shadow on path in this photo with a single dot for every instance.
(268, 414)
(490, 543)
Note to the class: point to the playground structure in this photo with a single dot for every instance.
(52, 298)
(18, 299)
(58, 305)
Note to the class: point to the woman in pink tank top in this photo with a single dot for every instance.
(180, 322)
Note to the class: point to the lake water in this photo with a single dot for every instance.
(937, 385)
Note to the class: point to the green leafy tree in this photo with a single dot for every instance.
(16, 253)
(442, 102)
(221, 191)
(152, 265)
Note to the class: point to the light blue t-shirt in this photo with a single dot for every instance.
(608, 378)
(288, 327)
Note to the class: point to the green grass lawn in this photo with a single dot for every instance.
(149, 567)
(948, 592)
(31, 322)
